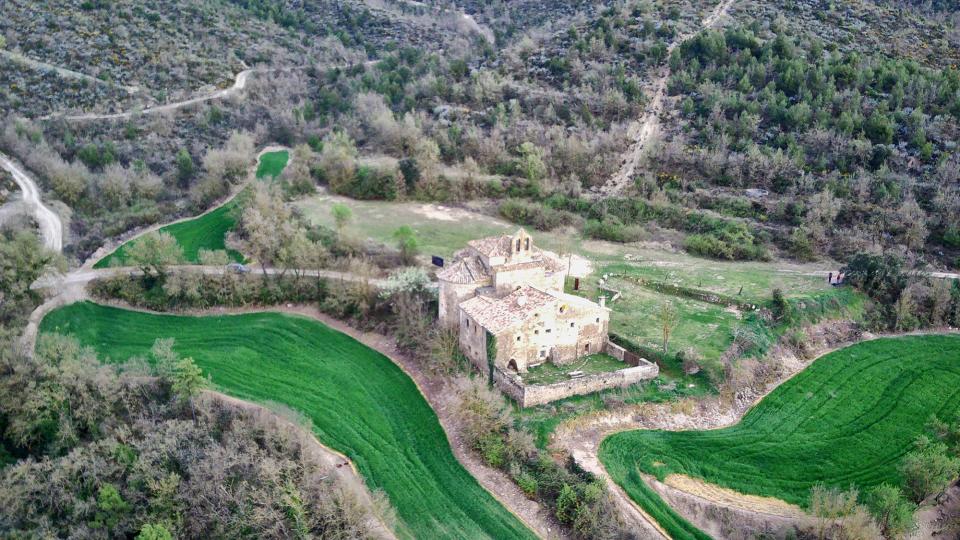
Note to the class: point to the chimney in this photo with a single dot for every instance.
(603, 301)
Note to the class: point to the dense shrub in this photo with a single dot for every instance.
(614, 230)
(536, 215)
(577, 499)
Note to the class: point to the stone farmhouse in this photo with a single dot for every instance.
(505, 298)
(507, 290)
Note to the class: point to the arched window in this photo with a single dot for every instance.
(526, 244)
(518, 245)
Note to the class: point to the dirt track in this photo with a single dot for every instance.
(51, 228)
(642, 132)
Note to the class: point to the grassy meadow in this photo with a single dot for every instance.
(272, 163)
(844, 421)
(359, 403)
(208, 231)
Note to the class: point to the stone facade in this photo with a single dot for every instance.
(506, 289)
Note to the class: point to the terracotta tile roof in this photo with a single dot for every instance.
(492, 246)
(498, 314)
(574, 299)
(467, 270)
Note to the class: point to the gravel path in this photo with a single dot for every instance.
(51, 228)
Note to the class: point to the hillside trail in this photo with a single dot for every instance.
(238, 86)
(466, 18)
(62, 71)
(642, 133)
(51, 227)
(581, 437)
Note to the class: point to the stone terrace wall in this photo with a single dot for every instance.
(531, 396)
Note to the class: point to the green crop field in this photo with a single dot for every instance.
(272, 163)
(360, 403)
(845, 420)
(208, 231)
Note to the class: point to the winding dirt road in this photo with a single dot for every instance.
(642, 132)
(51, 228)
(238, 85)
(62, 71)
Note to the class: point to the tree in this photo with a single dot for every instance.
(297, 174)
(780, 306)
(152, 531)
(188, 380)
(341, 216)
(154, 252)
(213, 257)
(23, 260)
(928, 470)
(231, 162)
(668, 317)
(531, 163)
(892, 511)
(879, 128)
(337, 160)
(185, 166)
(829, 505)
(407, 244)
(111, 508)
(266, 226)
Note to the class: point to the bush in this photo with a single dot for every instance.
(536, 215)
(613, 230)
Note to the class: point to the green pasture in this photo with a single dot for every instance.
(439, 231)
(845, 421)
(272, 163)
(359, 402)
(208, 231)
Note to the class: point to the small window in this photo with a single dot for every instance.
(518, 245)
(548, 330)
(571, 325)
(526, 244)
(536, 331)
(543, 353)
(598, 319)
(468, 323)
(518, 338)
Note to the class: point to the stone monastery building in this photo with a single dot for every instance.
(506, 297)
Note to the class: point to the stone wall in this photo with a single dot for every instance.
(530, 396)
(623, 355)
